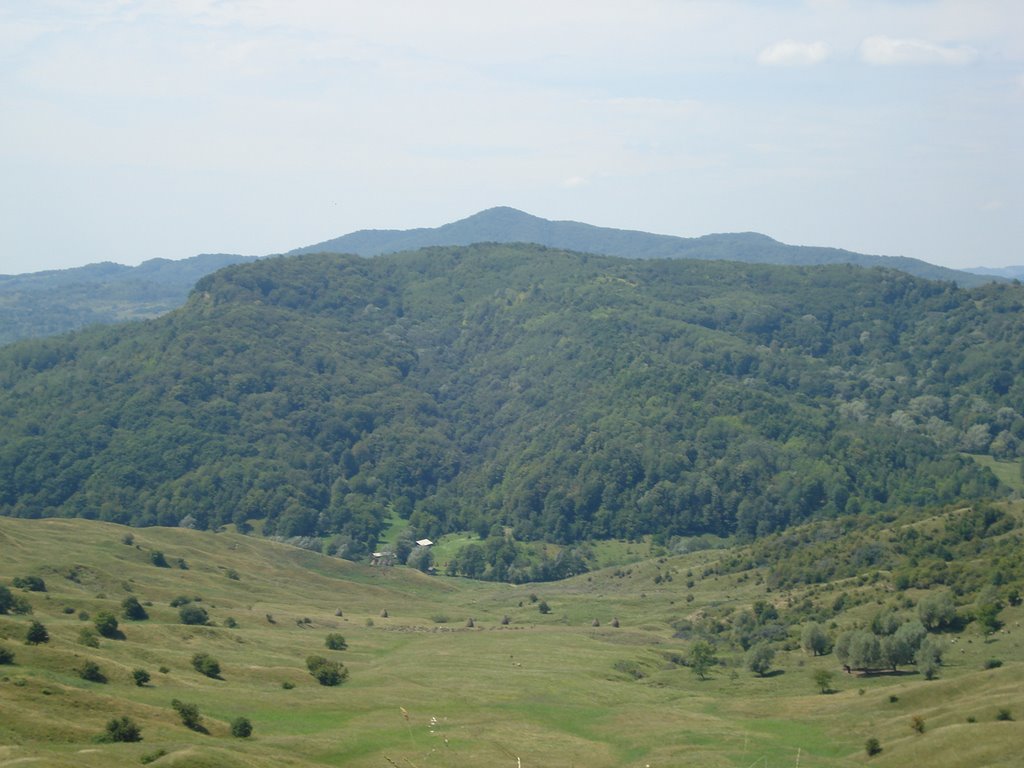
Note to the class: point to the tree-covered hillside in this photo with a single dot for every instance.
(562, 396)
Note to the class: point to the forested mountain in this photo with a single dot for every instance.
(44, 303)
(507, 225)
(560, 395)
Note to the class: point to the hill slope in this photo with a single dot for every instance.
(558, 395)
(542, 689)
(508, 225)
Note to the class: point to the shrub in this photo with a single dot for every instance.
(151, 757)
(6, 655)
(106, 624)
(205, 664)
(993, 664)
(917, 724)
(91, 671)
(241, 728)
(335, 642)
(87, 636)
(6, 600)
(326, 672)
(156, 557)
(31, 583)
(287, 685)
(193, 614)
(140, 676)
(872, 746)
(230, 622)
(543, 607)
(37, 634)
(189, 714)
(123, 729)
(1003, 715)
(232, 574)
(180, 600)
(132, 609)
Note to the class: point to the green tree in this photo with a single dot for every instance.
(929, 658)
(936, 610)
(335, 642)
(106, 624)
(30, 583)
(241, 727)
(91, 671)
(157, 558)
(823, 679)
(189, 714)
(6, 600)
(759, 658)
(857, 649)
(132, 609)
(325, 671)
(701, 658)
(814, 639)
(37, 634)
(140, 676)
(6, 655)
(205, 664)
(193, 614)
(122, 729)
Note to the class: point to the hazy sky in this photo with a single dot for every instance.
(130, 130)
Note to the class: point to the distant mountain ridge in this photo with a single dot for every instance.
(1010, 273)
(508, 225)
(46, 303)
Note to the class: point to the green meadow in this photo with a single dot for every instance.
(425, 688)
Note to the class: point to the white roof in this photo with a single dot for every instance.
(378, 554)
(424, 542)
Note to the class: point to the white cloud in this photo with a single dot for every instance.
(792, 53)
(883, 51)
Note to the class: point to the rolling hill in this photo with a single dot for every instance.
(461, 672)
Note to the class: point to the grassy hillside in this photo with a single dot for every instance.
(427, 690)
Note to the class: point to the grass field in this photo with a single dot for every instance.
(543, 690)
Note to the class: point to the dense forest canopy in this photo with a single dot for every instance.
(557, 395)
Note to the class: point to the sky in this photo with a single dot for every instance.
(166, 128)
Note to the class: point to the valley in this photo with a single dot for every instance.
(424, 688)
